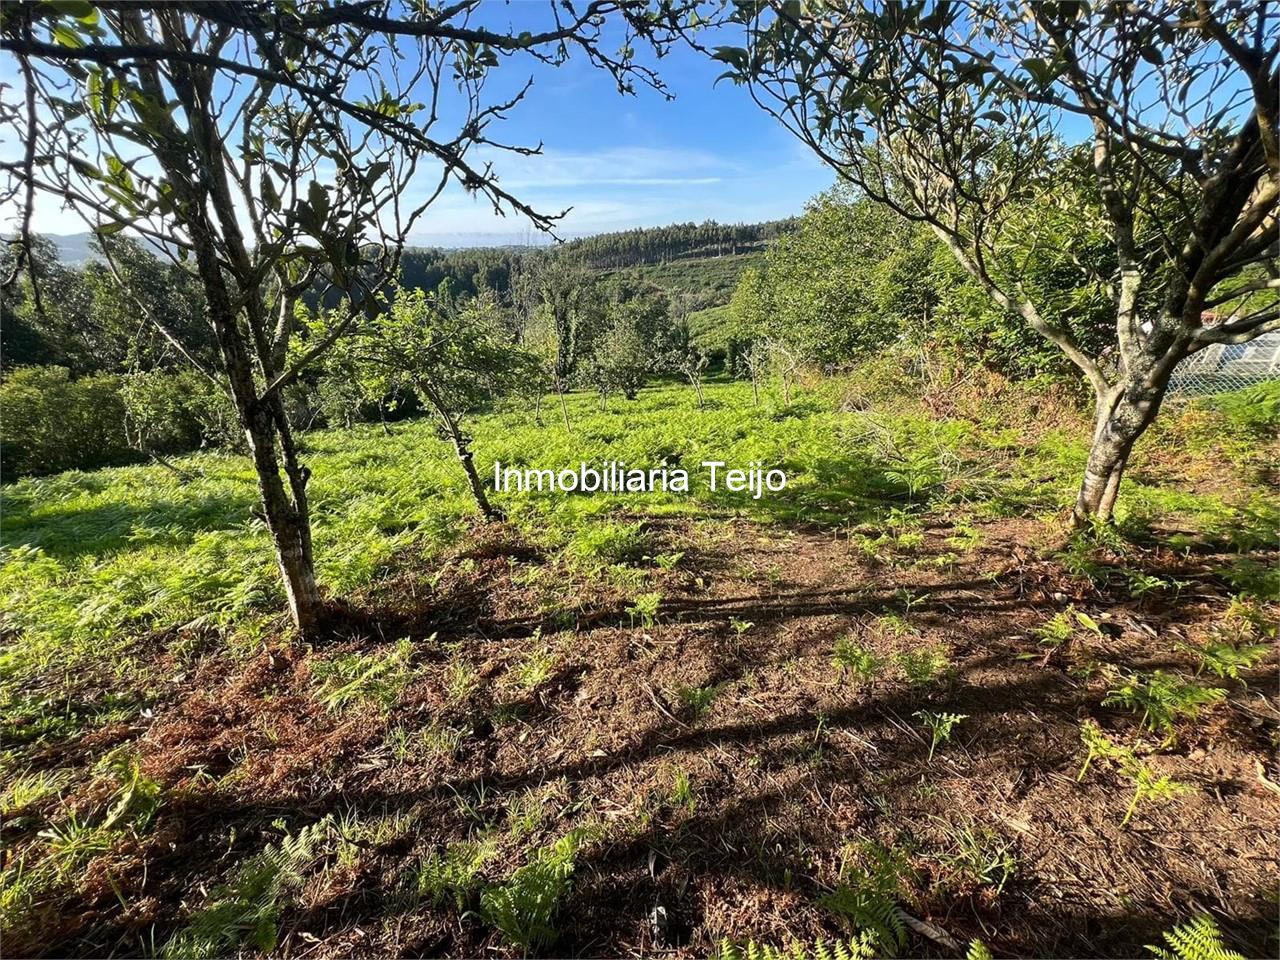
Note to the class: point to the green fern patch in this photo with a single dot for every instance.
(1163, 698)
(855, 949)
(523, 909)
(867, 899)
(1198, 939)
(246, 910)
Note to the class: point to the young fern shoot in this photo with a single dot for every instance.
(939, 726)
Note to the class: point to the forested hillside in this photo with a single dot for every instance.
(650, 245)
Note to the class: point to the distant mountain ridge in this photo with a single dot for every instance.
(72, 247)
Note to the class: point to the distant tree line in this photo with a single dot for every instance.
(88, 378)
(847, 282)
(650, 245)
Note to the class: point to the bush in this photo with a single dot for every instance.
(175, 412)
(50, 422)
(54, 422)
(1253, 411)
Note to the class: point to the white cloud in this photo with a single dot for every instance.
(623, 166)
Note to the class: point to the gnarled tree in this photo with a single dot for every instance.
(955, 114)
(274, 149)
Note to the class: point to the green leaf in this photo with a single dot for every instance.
(1088, 622)
(375, 172)
(318, 199)
(734, 56)
(80, 9)
(269, 195)
(85, 168)
(1151, 53)
(95, 92)
(66, 37)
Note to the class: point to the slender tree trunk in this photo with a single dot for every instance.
(1122, 415)
(755, 389)
(564, 407)
(537, 409)
(287, 518)
(462, 446)
(697, 389)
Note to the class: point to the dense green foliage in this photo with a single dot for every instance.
(91, 557)
(847, 281)
(854, 278)
(850, 280)
(622, 362)
(679, 241)
(86, 324)
(452, 354)
(80, 318)
(50, 422)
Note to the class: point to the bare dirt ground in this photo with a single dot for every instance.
(790, 761)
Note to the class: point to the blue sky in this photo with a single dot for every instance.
(626, 161)
(618, 161)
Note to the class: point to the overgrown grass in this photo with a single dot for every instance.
(92, 561)
(101, 573)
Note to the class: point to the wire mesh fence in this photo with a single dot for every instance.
(1228, 366)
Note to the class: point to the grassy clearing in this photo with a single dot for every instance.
(92, 559)
(786, 630)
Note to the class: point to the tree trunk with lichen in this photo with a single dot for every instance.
(1122, 414)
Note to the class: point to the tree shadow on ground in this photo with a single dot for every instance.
(70, 532)
(788, 768)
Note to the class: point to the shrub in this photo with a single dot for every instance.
(50, 422)
(174, 412)
(54, 422)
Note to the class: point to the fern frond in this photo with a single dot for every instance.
(1198, 939)
(978, 951)
(524, 907)
(873, 913)
(855, 949)
(247, 908)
